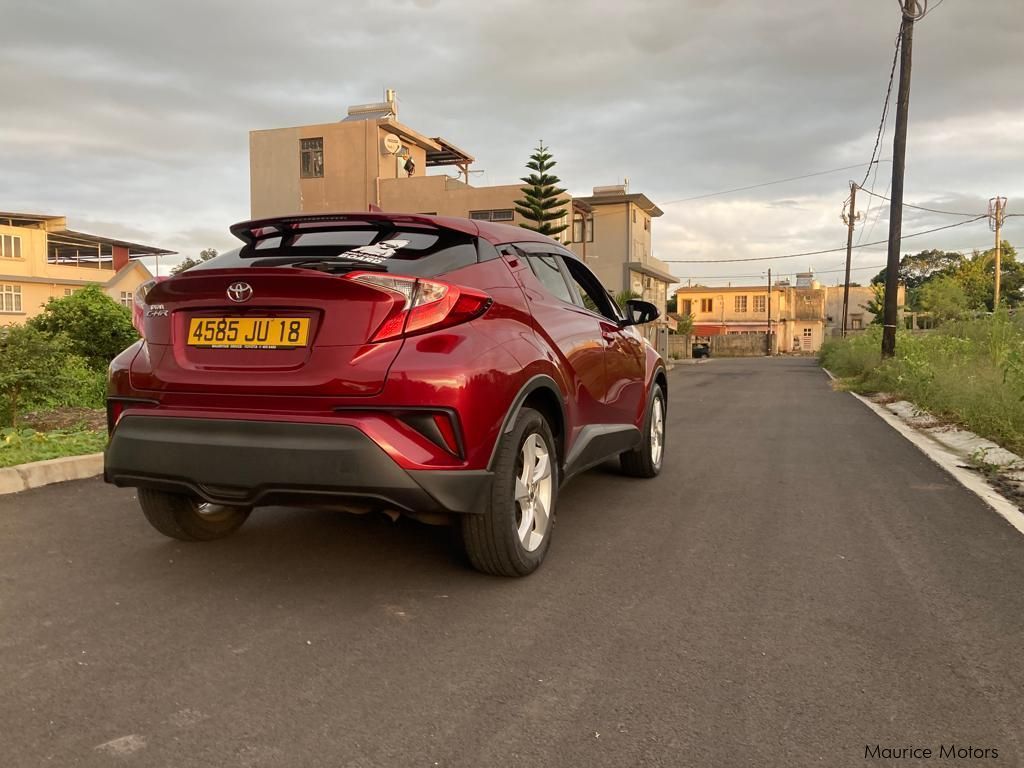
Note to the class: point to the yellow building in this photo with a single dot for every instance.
(370, 159)
(41, 259)
(800, 315)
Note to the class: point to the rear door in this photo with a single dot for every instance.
(624, 358)
(567, 327)
(282, 316)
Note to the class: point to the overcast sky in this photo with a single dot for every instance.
(132, 118)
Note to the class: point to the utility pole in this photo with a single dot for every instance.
(850, 219)
(996, 214)
(899, 157)
(769, 311)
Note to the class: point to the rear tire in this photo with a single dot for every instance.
(511, 537)
(646, 459)
(186, 519)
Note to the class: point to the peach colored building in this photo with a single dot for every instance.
(41, 259)
(369, 158)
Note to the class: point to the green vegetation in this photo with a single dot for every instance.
(542, 197)
(21, 446)
(59, 358)
(970, 372)
(96, 327)
(950, 285)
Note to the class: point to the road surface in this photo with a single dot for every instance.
(798, 584)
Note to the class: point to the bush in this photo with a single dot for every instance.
(96, 326)
(38, 371)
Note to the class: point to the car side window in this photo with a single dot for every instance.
(594, 295)
(545, 267)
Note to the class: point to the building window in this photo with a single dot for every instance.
(647, 224)
(740, 303)
(583, 227)
(500, 214)
(760, 302)
(707, 305)
(126, 299)
(311, 158)
(807, 333)
(10, 247)
(856, 322)
(10, 298)
(68, 291)
(634, 215)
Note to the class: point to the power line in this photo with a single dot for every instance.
(818, 253)
(885, 109)
(765, 184)
(921, 207)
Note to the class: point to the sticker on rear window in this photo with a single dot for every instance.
(377, 253)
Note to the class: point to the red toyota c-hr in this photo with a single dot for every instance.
(438, 367)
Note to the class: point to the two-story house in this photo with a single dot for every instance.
(41, 259)
(801, 316)
(370, 159)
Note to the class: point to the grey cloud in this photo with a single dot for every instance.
(139, 113)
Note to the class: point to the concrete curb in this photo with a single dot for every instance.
(39, 473)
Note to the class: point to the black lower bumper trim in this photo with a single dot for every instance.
(264, 462)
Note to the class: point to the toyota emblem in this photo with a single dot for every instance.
(239, 292)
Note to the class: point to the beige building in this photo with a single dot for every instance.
(41, 259)
(801, 316)
(619, 251)
(370, 159)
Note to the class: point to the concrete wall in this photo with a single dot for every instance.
(739, 345)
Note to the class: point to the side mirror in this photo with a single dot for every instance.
(639, 312)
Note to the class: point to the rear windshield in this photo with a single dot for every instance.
(404, 251)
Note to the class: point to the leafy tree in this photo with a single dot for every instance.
(876, 304)
(916, 269)
(977, 278)
(685, 324)
(189, 262)
(944, 297)
(542, 197)
(32, 364)
(671, 304)
(97, 327)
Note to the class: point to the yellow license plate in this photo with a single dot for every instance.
(248, 332)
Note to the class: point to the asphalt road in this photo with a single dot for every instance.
(798, 583)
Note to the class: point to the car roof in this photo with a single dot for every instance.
(496, 234)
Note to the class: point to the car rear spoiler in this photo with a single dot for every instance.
(250, 232)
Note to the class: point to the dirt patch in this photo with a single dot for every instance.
(65, 418)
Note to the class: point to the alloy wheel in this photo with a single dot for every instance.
(533, 492)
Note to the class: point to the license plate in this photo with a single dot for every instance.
(248, 332)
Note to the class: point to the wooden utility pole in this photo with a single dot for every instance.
(769, 311)
(996, 213)
(851, 218)
(899, 157)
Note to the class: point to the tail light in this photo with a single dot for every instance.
(428, 304)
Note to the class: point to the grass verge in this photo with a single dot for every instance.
(21, 446)
(970, 373)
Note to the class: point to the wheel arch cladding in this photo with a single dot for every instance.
(540, 393)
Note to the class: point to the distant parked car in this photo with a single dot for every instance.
(701, 349)
(442, 368)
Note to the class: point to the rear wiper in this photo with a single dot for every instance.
(323, 265)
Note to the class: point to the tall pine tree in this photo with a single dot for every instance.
(542, 196)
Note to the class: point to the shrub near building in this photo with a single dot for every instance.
(59, 358)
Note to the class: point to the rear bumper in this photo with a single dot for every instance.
(264, 462)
